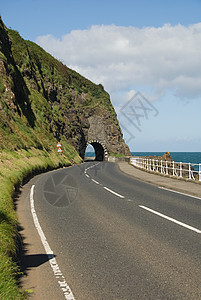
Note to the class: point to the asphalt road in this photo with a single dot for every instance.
(115, 237)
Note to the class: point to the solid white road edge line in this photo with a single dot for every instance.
(171, 219)
(113, 192)
(162, 188)
(53, 263)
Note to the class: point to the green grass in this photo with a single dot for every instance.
(14, 168)
(117, 155)
(47, 69)
(39, 105)
(8, 274)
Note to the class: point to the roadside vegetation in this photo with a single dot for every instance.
(15, 167)
(30, 127)
(25, 150)
(118, 155)
(41, 102)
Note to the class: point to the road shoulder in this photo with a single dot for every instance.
(190, 188)
(37, 273)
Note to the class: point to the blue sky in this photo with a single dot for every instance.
(35, 17)
(148, 46)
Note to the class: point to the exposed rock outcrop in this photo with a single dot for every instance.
(167, 162)
(165, 157)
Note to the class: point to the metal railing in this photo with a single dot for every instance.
(179, 169)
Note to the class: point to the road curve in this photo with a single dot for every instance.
(114, 237)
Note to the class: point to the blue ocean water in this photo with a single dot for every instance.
(89, 154)
(185, 157)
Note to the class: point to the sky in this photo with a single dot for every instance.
(145, 53)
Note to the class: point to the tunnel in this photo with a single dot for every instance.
(100, 150)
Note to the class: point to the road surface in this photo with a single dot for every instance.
(110, 236)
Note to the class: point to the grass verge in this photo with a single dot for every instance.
(14, 168)
(116, 155)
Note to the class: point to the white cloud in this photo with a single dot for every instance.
(164, 58)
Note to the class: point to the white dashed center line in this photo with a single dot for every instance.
(109, 190)
(149, 209)
(95, 181)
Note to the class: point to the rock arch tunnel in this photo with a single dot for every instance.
(104, 135)
(101, 152)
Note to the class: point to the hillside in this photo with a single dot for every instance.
(41, 102)
(41, 99)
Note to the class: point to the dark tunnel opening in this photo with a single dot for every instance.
(99, 151)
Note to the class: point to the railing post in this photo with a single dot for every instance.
(180, 169)
(166, 168)
(189, 170)
(192, 174)
(157, 165)
(163, 166)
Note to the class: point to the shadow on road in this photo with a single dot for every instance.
(24, 260)
(27, 261)
(33, 261)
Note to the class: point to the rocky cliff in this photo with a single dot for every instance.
(42, 101)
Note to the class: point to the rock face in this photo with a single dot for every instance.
(36, 87)
(166, 157)
(102, 131)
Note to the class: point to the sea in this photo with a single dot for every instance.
(185, 157)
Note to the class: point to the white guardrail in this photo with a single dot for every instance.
(179, 169)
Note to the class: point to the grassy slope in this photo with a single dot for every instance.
(29, 130)
(14, 167)
(38, 97)
(44, 65)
